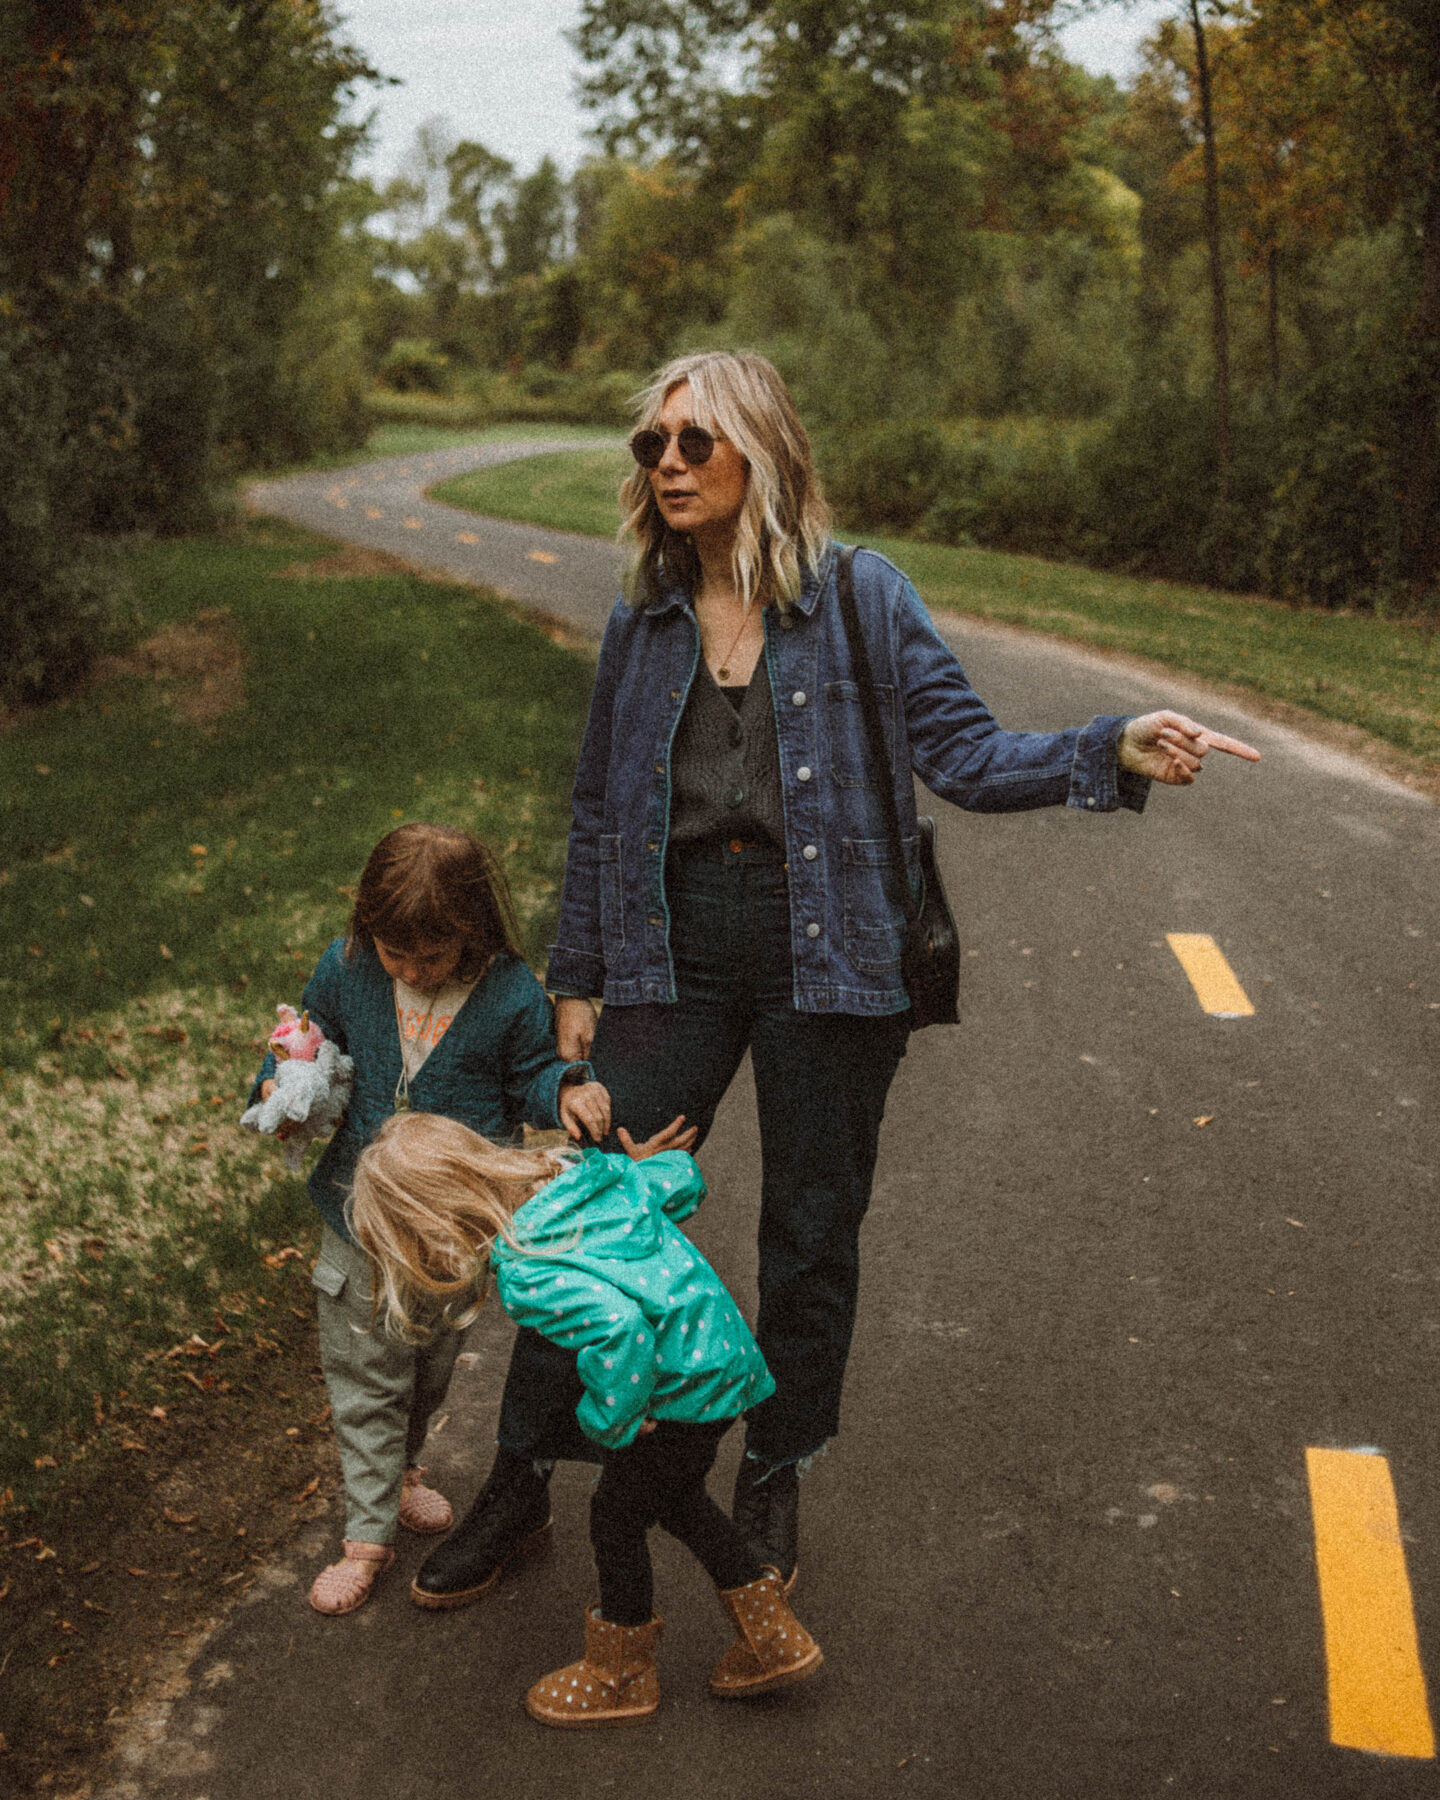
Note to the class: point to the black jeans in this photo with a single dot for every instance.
(821, 1081)
(660, 1480)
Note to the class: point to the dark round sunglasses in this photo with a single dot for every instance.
(695, 443)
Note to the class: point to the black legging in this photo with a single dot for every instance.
(660, 1480)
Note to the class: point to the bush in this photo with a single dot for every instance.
(887, 475)
(1334, 527)
(415, 366)
(1016, 484)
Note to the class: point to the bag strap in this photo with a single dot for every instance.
(874, 730)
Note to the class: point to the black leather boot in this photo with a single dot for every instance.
(509, 1520)
(766, 1508)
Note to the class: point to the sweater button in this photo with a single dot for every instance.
(1089, 799)
(737, 736)
(809, 853)
(734, 798)
(802, 774)
(812, 930)
(798, 697)
(786, 622)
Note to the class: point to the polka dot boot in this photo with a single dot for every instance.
(773, 1647)
(615, 1683)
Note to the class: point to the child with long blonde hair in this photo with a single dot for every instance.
(429, 995)
(587, 1251)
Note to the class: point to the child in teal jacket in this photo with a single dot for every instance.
(587, 1251)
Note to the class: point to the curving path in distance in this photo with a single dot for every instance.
(1128, 1262)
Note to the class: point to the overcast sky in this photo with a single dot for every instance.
(504, 75)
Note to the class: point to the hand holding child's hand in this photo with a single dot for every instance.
(672, 1137)
(585, 1104)
(646, 1428)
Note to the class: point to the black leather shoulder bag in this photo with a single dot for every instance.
(930, 961)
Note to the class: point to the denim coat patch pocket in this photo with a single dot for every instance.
(850, 759)
(874, 918)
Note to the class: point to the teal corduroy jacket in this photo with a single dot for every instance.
(604, 1270)
(494, 1070)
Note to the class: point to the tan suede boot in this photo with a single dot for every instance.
(614, 1684)
(773, 1647)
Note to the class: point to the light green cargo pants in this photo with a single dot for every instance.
(382, 1392)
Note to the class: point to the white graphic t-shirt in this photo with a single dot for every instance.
(425, 1018)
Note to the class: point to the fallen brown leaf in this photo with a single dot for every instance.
(180, 1518)
(304, 1494)
(1205, 1119)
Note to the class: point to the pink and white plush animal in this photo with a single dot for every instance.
(312, 1088)
(295, 1038)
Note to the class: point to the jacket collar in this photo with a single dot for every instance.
(812, 586)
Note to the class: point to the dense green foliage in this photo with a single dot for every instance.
(180, 285)
(989, 277)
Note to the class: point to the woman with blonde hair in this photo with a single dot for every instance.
(729, 887)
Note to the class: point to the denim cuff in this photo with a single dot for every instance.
(575, 973)
(1097, 782)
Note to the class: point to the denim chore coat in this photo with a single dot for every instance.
(611, 1277)
(846, 922)
(494, 1069)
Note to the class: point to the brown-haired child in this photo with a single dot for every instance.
(430, 998)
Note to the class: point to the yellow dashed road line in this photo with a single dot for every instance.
(542, 556)
(1212, 978)
(373, 512)
(466, 537)
(1372, 1653)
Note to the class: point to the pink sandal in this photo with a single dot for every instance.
(422, 1510)
(346, 1585)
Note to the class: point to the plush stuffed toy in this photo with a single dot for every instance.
(312, 1085)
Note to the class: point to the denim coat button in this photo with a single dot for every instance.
(798, 697)
(812, 930)
(809, 853)
(802, 774)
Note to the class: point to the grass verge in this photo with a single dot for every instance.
(416, 437)
(1380, 675)
(180, 844)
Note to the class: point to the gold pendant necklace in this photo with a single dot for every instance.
(723, 672)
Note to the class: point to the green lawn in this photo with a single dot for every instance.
(167, 878)
(1375, 673)
(575, 490)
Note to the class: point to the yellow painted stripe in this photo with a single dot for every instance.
(1372, 1654)
(1211, 976)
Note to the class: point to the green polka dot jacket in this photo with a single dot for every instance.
(605, 1271)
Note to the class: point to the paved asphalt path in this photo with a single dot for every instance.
(1063, 1546)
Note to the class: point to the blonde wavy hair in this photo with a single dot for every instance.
(429, 1199)
(784, 524)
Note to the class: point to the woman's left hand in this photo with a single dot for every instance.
(1168, 747)
(585, 1104)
